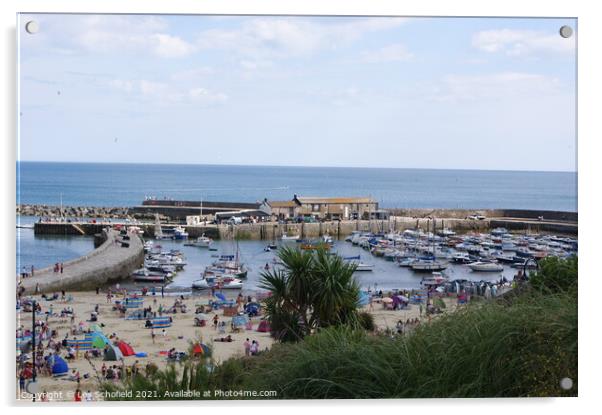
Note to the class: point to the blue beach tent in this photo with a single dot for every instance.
(59, 367)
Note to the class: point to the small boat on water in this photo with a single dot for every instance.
(179, 233)
(144, 275)
(327, 239)
(461, 258)
(359, 265)
(201, 242)
(221, 283)
(427, 264)
(290, 238)
(482, 266)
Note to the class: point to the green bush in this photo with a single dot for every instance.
(555, 275)
(489, 350)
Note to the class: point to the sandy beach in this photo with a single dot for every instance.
(179, 336)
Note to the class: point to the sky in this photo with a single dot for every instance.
(457, 93)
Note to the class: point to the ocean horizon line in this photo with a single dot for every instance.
(130, 163)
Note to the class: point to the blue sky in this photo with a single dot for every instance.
(466, 93)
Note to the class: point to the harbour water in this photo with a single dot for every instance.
(45, 250)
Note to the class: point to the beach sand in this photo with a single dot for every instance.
(179, 335)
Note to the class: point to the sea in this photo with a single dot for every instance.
(111, 184)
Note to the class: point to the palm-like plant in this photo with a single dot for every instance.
(313, 290)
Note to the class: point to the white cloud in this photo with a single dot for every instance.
(391, 53)
(113, 33)
(495, 86)
(264, 38)
(167, 46)
(193, 74)
(202, 94)
(163, 93)
(521, 42)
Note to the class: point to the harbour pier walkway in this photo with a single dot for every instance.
(114, 259)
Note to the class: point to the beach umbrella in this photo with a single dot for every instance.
(403, 298)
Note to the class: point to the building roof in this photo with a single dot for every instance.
(334, 200)
(282, 203)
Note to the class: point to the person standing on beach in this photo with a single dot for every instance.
(61, 267)
(78, 395)
(215, 321)
(247, 346)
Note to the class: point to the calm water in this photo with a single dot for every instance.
(127, 184)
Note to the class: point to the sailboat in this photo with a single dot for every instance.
(158, 230)
(228, 265)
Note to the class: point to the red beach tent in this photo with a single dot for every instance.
(126, 349)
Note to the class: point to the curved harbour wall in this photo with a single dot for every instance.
(110, 261)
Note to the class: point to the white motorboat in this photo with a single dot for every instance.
(222, 283)
(144, 275)
(201, 242)
(290, 238)
(482, 266)
(461, 258)
(359, 265)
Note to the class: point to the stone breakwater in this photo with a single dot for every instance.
(96, 212)
(110, 261)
